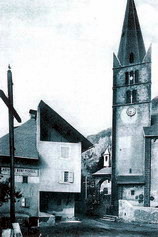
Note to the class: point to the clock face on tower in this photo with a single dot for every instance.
(129, 115)
(131, 111)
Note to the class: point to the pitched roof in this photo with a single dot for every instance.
(103, 171)
(151, 131)
(25, 135)
(63, 126)
(108, 150)
(25, 141)
(131, 38)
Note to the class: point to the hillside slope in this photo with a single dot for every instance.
(91, 158)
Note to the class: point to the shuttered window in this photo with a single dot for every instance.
(66, 177)
(25, 202)
(71, 177)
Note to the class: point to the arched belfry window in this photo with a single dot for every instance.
(131, 96)
(131, 58)
(131, 77)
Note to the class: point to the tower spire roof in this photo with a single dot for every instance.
(131, 49)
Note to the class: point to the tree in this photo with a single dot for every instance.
(5, 191)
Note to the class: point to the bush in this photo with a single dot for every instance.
(5, 191)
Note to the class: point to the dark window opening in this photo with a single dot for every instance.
(51, 202)
(131, 96)
(131, 58)
(136, 76)
(134, 96)
(25, 179)
(128, 97)
(132, 192)
(131, 77)
(130, 171)
(126, 78)
(105, 191)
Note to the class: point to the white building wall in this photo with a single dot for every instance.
(53, 165)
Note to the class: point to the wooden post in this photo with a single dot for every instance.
(11, 142)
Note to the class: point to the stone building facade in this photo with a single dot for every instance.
(134, 145)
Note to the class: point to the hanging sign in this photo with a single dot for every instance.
(21, 171)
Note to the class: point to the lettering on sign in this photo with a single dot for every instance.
(21, 171)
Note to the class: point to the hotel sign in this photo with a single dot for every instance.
(21, 171)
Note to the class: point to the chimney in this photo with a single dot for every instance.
(33, 114)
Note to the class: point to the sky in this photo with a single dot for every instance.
(61, 52)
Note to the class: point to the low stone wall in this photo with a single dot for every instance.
(130, 213)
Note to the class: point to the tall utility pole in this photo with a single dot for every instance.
(11, 142)
(12, 113)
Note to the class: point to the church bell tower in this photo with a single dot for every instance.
(131, 110)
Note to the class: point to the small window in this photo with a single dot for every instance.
(25, 179)
(131, 58)
(66, 177)
(130, 171)
(25, 202)
(65, 152)
(132, 192)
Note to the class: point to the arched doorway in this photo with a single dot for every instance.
(103, 194)
(105, 187)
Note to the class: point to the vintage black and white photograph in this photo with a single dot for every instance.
(78, 118)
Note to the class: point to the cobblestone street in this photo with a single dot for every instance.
(97, 228)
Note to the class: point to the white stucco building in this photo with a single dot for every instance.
(47, 164)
